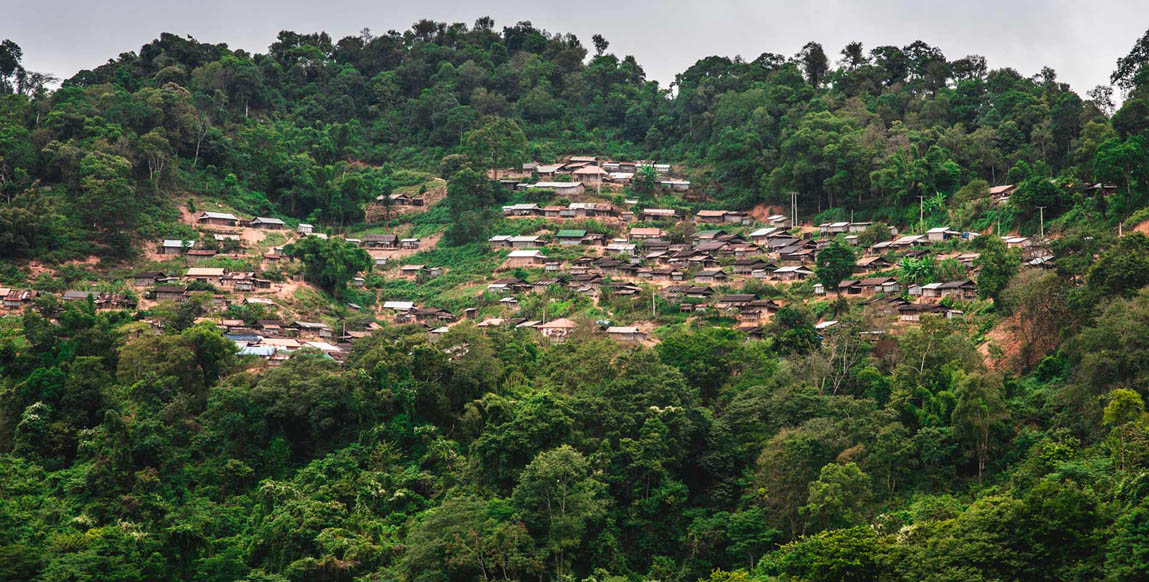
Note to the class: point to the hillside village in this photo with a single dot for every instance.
(620, 267)
(476, 302)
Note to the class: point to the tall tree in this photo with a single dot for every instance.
(560, 500)
(814, 63)
(470, 202)
(834, 264)
(497, 142)
(979, 408)
(330, 263)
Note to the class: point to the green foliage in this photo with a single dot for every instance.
(997, 264)
(834, 264)
(844, 554)
(837, 498)
(496, 143)
(331, 263)
(470, 201)
(563, 499)
(131, 451)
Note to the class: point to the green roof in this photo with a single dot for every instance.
(571, 233)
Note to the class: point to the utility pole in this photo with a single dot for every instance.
(1042, 210)
(653, 306)
(793, 210)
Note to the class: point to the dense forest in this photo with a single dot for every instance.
(488, 455)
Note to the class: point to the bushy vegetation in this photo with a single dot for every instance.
(149, 450)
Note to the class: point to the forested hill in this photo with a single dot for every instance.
(273, 318)
(316, 127)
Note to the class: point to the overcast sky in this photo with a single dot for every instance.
(1081, 40)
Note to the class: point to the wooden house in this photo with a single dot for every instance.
(266, 223)
(525, 258)
(865, 264)
(626, 334)
(711, 276)
(570, 237)
(522, 210)
(961, 289)
(748, 266)
(176, 246)
(213, 275)
(780, 221)
(147, 278)
(380, 241)
(645, 233)
(590, 175)
(556, 330)
(912, 312)
(562, 188)
(666, 214)
(217, 219)
(792, 273)
(170, 293)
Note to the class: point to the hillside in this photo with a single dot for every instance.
(468, 303)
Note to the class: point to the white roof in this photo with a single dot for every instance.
(322, 346)
(399, 305)
(260, 351)
(792, 269)
(560, 323)
(776, 217)
(285, 342)
(826, 324)
(220, 215)
(524, 238)
(205, 272)
(526, 253)
(265, 220)
(939, 229)
(765, 231)
(622, 330)
(176, 243)
(500, 237)
(909, 238)
(258, 301)
(555, 185)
